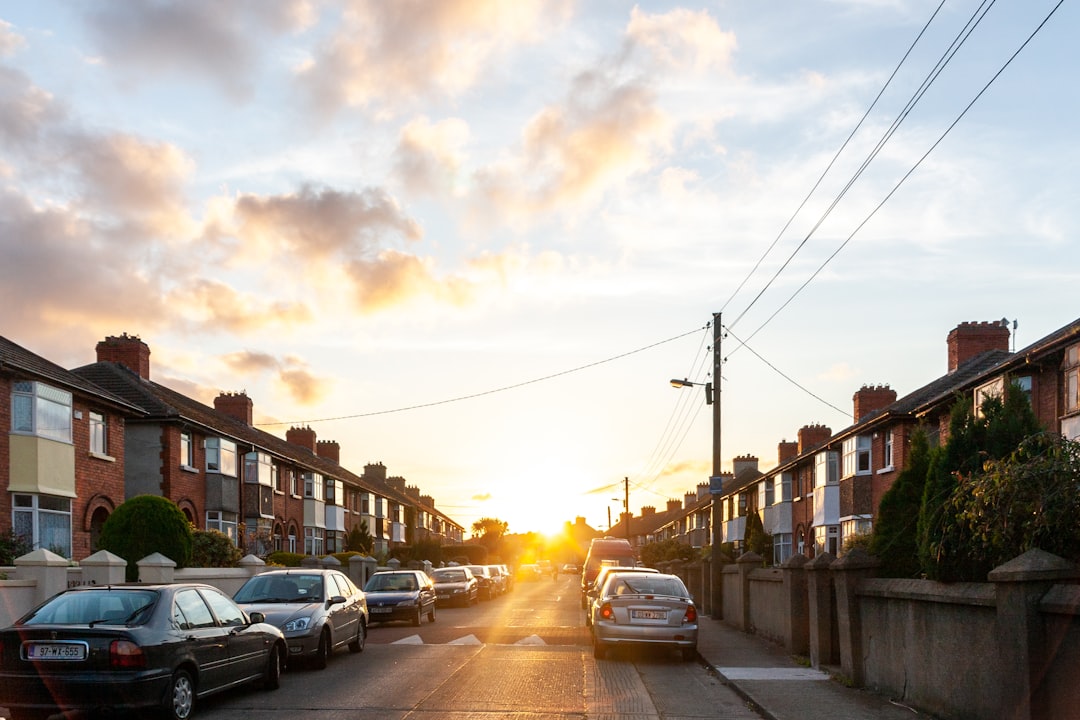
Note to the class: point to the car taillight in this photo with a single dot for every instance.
(606, 613)
(691, 614)
(124, 654)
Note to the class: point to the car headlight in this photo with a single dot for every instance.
(298, 624)
(407, 603)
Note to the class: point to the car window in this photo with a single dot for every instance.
(344, 585)
(448, 576)
(113, 607)
(225, 609)
(190, 611)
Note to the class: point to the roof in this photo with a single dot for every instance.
(17, 359)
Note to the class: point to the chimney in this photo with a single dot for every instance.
(235, 405)
(302, 436)
(673, 505)
(129, 351)
(812, 436)
(871, 398)
(427, 501)
(396, 482)
(375, 471)
(413, 492)
(743, 462)
(329, 449)
(786, 451)
(688, 500)
(968, 339)
(647, 511)
(702, 490)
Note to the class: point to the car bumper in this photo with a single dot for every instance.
(390, 614)
(303, 643)
(90, 692)
(612, 634)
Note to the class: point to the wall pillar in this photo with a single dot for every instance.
(47, 569)
(103, 568)
(747, 562)
(253, 564)
(1020, 584)
(797, 620)
(156, 568)
(820, 610)
(847, 573)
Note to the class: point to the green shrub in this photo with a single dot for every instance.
(144, 525)
(288, 559)
(894, 540)
(213, 548)
(13, 546)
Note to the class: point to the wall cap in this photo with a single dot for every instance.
(1035, 564)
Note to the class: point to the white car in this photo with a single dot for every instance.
(645, 609)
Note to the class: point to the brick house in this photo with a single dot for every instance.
(62, 457)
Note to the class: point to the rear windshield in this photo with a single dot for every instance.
(645, 584)
(449, 576)
(109, 607)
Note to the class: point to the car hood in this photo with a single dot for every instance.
(278, 614)
(376, 599)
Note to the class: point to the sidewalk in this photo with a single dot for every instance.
(765, 675)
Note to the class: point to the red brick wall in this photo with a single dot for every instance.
(968, 339)
(98, 482)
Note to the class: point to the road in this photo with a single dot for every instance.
(524, 655)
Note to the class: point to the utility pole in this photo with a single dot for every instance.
(626, 504)
(716, 480)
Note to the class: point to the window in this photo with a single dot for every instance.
(888, 449)
(224, 522)
(187, 450)
(1071, 381)
(857, 526)
(44, 521)
(995, 389)
(98, 439)
(190, 611)
(827, 539)
(768, 492)
(258, 469)
(783, 486)
(38, 409)
(365, 503)
(781, 548)
(313, 540)
(313, 486)
(857, 455)
(228, 614)
(742, 504)
(221, 456)
(826, 468)
(290, 478)
(275, 478)
(380, 507)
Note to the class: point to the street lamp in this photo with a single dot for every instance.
(715, 481)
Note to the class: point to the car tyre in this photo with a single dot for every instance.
(418, 617)
(357, 645)
(29, 714)
(274, 665)
(180, 700)
(431, 613)
(599, 650)
(322, 653)
(689, 653)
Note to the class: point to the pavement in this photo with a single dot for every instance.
(779, 687)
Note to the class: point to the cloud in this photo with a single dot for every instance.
(387, 53)
(207, 303)
(394, 278)
(10, 41)
(219, 41)
(682, 40)
(428, 156)
(26, 111)
(304, 387)
(482, 497)
(251, 362)
(291, 374)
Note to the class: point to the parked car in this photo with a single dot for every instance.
(528, 572)
(508, 575)
(604, 551)
(570, 569)
(645, 609)
(455, 586)
(486, 582)
(400, 595)
(592, 595)
(500, 579)
(318, 610)
(134, 647)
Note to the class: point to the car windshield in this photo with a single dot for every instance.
(645, 584)
(113, 606)
(391, 582)
(281, 589)
(449, 576)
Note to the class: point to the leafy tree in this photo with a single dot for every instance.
(213, 549)
(894, 540)
(144, 525)
(1030, 499)
(490, 532)
(360, 539)
(755, 539)
(13, 546)
(973, 440)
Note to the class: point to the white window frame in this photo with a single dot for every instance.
(41, 410)
(221, 456)
(99, 438)
(857, 459)
(258, 469)
(781, 548)
(888, 449)
(314, 540)
(314, 487)
(1071, 378)
(784, 481)
(826, 468)
(225, 522)
(35, 508)
(187, 450)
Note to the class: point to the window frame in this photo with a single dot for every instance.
(30, 402)
(35, 511)
(221, 450)
(99, 433)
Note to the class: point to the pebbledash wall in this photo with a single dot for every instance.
(1006, 648)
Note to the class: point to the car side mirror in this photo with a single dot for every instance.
(335, 600)
(256, 617)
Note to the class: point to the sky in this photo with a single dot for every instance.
(475, 239)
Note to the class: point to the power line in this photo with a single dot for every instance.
(505, 388)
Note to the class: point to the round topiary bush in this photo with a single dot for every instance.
(144, 525)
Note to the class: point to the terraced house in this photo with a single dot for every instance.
(265, 492)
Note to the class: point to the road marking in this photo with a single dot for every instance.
(467, 640)
(531, 640)
(774, 673)
(411, 640)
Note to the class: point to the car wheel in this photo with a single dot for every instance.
(28, 714)
(322, 653)
(418, 617)
(357, 645)
(431, 613)
(180, 700)
(274, 665)
(689, 653)
(599, 650)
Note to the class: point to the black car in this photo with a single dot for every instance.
(134, 647)
(400, 595)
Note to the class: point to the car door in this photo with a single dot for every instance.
(207, 641)
(427, 591)
(247, 650)
(343, 616)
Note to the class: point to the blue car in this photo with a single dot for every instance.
(406, 595)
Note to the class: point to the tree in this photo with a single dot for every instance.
(213, 548)
(894, 540)
(973, 440)
(360, 539)
(490, 532)
(144, 525)
(755, 539)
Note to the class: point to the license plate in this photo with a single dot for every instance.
(648, 615)
(56, 651)
(381, 610)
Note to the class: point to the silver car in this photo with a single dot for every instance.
(645, 609)
(318, 610)
(592, 595)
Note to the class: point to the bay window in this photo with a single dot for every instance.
(221, 456)
(857, 455)
(44, 521)
(42, 410)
